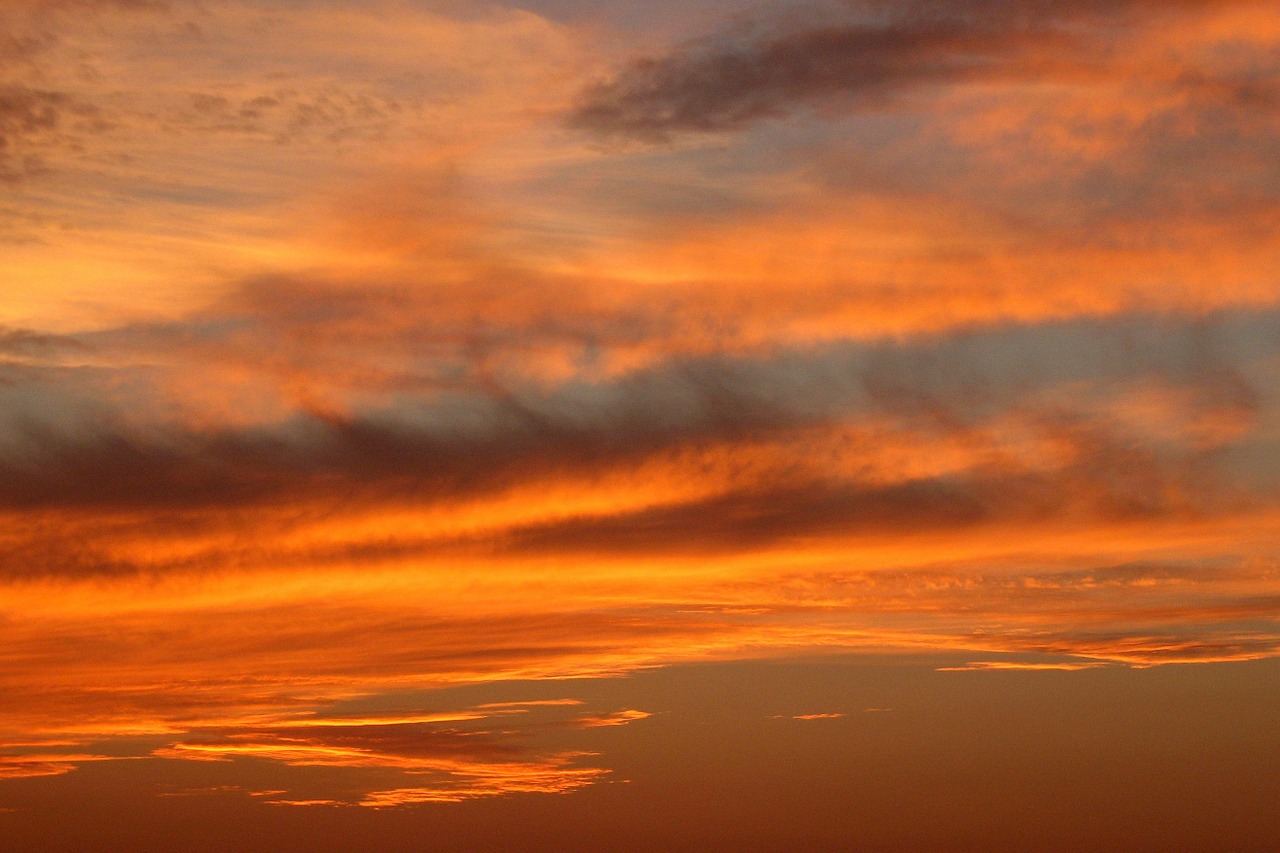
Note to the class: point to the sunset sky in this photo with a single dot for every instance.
(619, 425)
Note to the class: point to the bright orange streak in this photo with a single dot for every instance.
(531, 704)
(547, 778)
(343, 722)
(998, 665)
(50, 764)
(618, 718)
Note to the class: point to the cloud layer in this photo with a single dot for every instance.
(872, 57)
(346, 352)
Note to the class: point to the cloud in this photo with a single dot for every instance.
(447, 764)
(555, 776)
(984, 371)
(27, 116)
(129, 663)
(34, 765)
(1020, 666)
(207, 165)
(874, 58)
(489, 433)
(727, 87)
(19, 346)
(1155, 421)
(531, 703)
(24, 111)
(1140, 649)
(616, 718)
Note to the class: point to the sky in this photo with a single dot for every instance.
(573, 425)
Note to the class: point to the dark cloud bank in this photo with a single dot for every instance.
(441, 448)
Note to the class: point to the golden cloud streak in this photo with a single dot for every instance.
(1020, 666)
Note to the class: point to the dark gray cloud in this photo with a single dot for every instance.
(701, 89)
(882, 52)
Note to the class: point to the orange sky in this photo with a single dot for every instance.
(370, 370)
